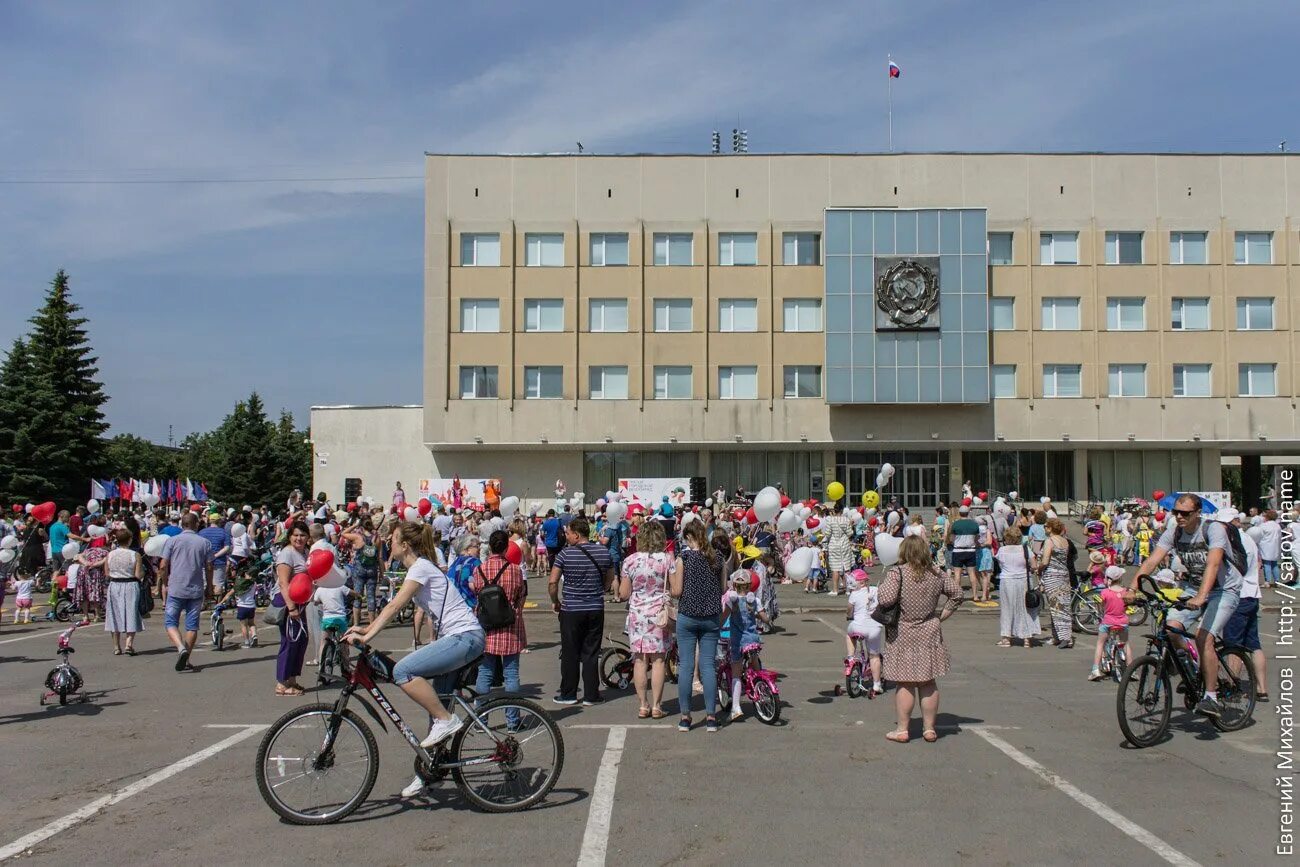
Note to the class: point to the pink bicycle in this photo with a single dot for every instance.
(758, 683)
(64, 680)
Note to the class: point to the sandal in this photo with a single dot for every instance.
(930, 736)
(898, 736)
(117, 651)
(130, 651)
(657, 713)
(643, 712)
(1006, 642)
(289, 690)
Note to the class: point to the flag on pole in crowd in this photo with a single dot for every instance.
(894, 70)
(155, 489)
(126, 489)
(203, 492)
(97, 491)
(189, 490)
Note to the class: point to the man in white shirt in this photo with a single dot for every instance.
(1243, 627)
(1270, 547)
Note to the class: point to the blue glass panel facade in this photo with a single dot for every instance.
(871, 358)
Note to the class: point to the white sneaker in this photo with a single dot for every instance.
(441, 730)
(413, 788)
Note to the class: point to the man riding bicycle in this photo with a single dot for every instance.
(1212, 576)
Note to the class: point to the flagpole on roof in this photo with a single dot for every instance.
(889, 90)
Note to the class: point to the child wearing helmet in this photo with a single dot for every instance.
(862, 627)
(743, 613)
(1114, 616)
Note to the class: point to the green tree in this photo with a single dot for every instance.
(127, 455)
(292, 460)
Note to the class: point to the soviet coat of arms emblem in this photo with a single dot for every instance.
(907, 292)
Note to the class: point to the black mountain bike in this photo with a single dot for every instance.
(318, 762)
(1145, 698)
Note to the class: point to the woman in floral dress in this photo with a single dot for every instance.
(92, 582)
(644, 586)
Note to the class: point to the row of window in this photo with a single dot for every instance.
(610, 314)
(1130, 380)
(671, 382)
(1129, 314)
(607, 249)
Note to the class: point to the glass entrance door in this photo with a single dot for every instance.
(920, 487)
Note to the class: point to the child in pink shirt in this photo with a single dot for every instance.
(1114, 616)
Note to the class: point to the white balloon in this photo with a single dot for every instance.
(893, 520)
(333, 578)
(616, 511)
(610, 496)
(509, 506)
(688, 517)
(8, 542)
(871, 512)
(787, 521)
(708, 503)
(887, 468)
(1015, 495)
(153, 546)
(150, 500)
(7, 555)
(881, 481)
(767, 503)
(96, 531)
(853, 515)
(575, 503)
(29, 507)
(580, 496)
(1044, 500)
(237, 530)
(887, 548)
(411, 513)
(71, 550)
(976, 501)
(92, 506)
(799, 564)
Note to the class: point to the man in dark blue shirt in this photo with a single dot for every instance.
(552, 536)
(588, 573)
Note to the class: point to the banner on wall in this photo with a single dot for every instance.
(652, 491)
(471, 490)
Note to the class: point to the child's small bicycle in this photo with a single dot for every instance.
(218, 628)
(616, 663)
(64, 680)
(758, 683)
(1114, 657)
(857, 672)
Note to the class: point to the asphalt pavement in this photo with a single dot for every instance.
(1030, 767)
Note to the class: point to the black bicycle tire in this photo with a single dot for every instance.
(458, 774)
(1168, 701)
(1076, 602)
(670, 668)
(357, 800)
(853, 684)
(1144, 612)
(724, 691)
(609, 673)
(761, 687)
(1252, 687)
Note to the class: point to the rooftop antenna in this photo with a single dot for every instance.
(715, 143)
(579, 147)
(1282, 146)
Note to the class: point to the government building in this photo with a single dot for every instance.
(1081, 326)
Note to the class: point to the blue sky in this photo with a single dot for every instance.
(310, 291)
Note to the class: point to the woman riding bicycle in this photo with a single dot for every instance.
(459, 640)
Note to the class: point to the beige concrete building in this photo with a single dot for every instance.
(1101, 324)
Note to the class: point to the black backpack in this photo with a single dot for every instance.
(494, 609)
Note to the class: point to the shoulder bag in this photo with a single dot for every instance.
(494, 610)
(888, 615)
(1033, 598)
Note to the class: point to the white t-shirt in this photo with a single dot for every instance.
(451, 616)
(1250, 580)
(242, 547)
(333, 601)
(1270, 540)
(25, 589)
(863, 601)
(1012, 560)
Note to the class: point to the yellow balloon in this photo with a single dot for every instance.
(834, 491)
(870, 500)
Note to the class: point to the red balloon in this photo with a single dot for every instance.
(984, 495)
(966, 501)
(300, 588)
(197, 507)
(44, 513)
(738, 514)
(18, 508)
(514, 553)
(1157, 495)
(813, 523)
(785, 501)
(873, 522)
(319, 563)
(751, 517)
(1160, 516)
(352, 507)
(424, 507)
(62, 580)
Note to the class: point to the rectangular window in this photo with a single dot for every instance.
(673, 382)
(480, 314)
(801, 248)
(674, 248)
(1062, 380)
(737, 248)
(802, 314)
(607, 314)
(609, 383)
(543, 314)
(480, 249)
(608, 249)
(1126, 314)
(1191, 314)
(1002, 314)
(1191, 380)
(543, 250)
(1126, 380)
(738, 314)
(802, 380)
(1000, 248)
(1254, 314)
(1253, 248)
(1187, 248)
(543, 382)
(672, 314)
(1058, 248)
(478, 382)
(1257, 380)
(738, 383)
(1004, 380)
(1123, 248)
(1061, 314)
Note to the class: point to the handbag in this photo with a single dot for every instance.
(275, 614)
(1033, 597)
(887, 615)
(145, 603)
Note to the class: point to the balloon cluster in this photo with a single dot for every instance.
(885, 476)
(321, 572)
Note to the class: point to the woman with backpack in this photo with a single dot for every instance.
(365, 565)
(499, 586)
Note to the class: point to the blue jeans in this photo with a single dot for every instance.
(365, 579)
(509, 670)
(701, 633)
(1272, 573)
(444, 657)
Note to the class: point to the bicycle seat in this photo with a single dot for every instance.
(67, 649)
(468, 673)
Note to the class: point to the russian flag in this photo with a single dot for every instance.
(894, 71)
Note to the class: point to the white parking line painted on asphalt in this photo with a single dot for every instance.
(58, 826)
(667, 728)
(258, 726)
(830, 625)
(1132, 829)
(46, 633)
(595, 840)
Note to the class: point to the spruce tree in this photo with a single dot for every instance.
(15, 380)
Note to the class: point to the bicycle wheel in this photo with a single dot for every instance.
(1138, 613)
(1085, 614)
(1237, 689)
(301, 785)
(610, 658)
(724, 689)
(63, 610)
(767, 707)
(1144, 702)
(853, 682)
(670, 667)
(512, 764)
(218, 636)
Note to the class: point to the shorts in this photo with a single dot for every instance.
(242, 613)
(23, 603)
(1243, 626)
(1105, 628)
(962, 559)
(219, 578)
(1213, 617)
(191, 607)
(336, 622)
(872, 633)
(446, 656)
